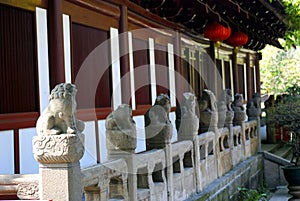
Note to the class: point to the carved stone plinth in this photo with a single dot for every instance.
(63, 148)
(188, 128)
(208, 121)
(28, 191)
(229, 117)
(239, 117)
(158, 135)
(60, 172)
(121, 140)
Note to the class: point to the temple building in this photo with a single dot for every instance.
(123, 52)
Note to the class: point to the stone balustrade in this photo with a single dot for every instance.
(184, 180)
(166, 171)
(106, 181)
(25, 186)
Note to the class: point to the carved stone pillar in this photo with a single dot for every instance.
(159, 133)
(208, 112)
(188, 128)
(239, 110)
(59, 146)
(60, 173)
(189, 121)
(121, 142)
(254, 111)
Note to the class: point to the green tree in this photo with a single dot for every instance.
(279, 69)
(292, 35)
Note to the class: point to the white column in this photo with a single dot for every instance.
(152, 70)
(42, 53)
(116, 72)
(231, 77)
(254, 78)
(171, 75)
(245, 82)
(67, 48)
(131, 67)
(223, 74)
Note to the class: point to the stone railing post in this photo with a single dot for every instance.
(121, 142)
(159, 133)
(208, 112)
(254, 111)
(59, 147)
(60, 174)
(226, 102)
(239, 114)
(188, 128)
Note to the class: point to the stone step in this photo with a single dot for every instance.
(283, 151)
(270, 147)
(280, 149)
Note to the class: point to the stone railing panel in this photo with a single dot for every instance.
(207, 159)
(149, 172)
(107, 180)
(238, 152)
(253, 137)
(224, 158)
(246, 140)
(183, 170)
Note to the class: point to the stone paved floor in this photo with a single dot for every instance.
(281, 194)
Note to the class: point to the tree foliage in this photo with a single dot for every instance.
(279, 70)
(292, 10)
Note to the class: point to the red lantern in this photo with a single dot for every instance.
(237, 39)
(216, 32)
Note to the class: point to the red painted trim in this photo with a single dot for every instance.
(18, 120)
(141, 110)
(93, 114)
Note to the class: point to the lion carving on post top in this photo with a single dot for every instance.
(60, 115)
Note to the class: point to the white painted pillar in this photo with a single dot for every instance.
(171, 75)
(223, 74)
(245, 82)
(131, 68)
(254, 78)
(67, 48)
(231, 77)
(152, 70)
(43, 59)
(116, 72)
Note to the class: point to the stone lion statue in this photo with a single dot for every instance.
(120, 119)
(253, 106)
(189, 105)
(207, 102)
(227, 97)
(159, 112)
(237, 104)
(60, 115)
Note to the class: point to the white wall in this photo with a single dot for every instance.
(102, 141)
(140, 133)
(6, 152)
(28, 165)
(90, 154)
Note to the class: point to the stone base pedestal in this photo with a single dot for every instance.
(188, 129)
(60, 174)
(295, 192)
(60, 182)
(158, 136)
